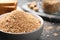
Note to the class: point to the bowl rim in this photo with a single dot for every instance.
(41, 25)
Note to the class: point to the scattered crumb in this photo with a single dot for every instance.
(58, 28)
(48, 28)
(47, 35)
(55, 34)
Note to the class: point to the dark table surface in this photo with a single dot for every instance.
(51, 31)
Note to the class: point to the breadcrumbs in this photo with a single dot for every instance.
(18, 22)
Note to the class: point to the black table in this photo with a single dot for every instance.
(51, 31)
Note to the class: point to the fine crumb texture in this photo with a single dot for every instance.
(19, 22)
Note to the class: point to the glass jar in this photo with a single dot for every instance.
(51, 6)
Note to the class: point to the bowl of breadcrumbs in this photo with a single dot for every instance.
(20, 25)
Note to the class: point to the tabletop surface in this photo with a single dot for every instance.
(51, 31)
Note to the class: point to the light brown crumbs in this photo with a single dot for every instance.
(18, 22)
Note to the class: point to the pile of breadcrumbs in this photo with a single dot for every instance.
(18, 22)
